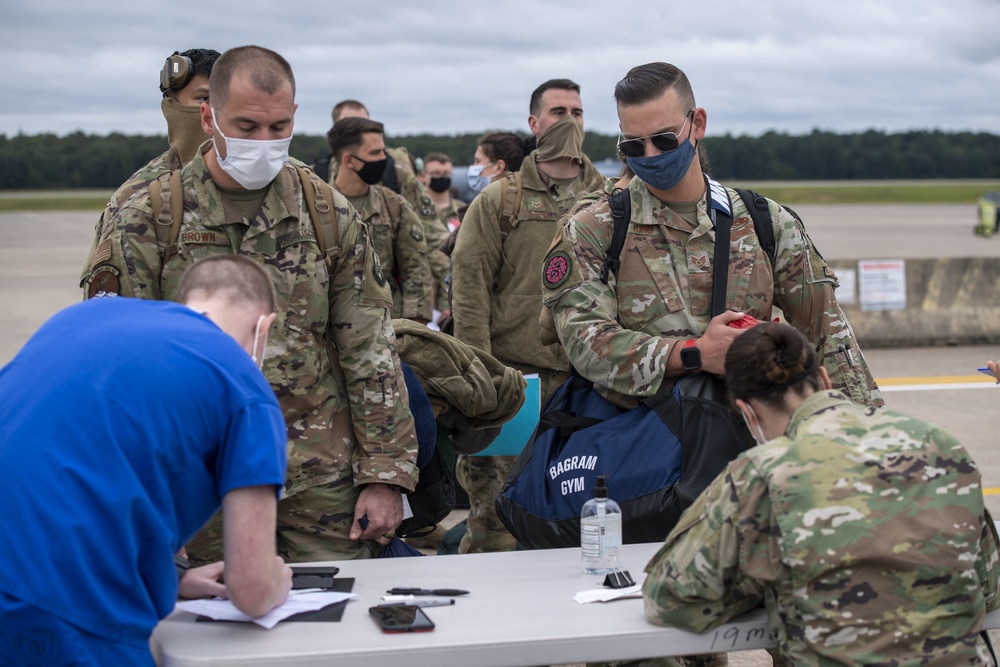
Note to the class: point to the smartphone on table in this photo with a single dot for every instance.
(401, 618)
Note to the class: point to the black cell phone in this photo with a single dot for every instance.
(313, 576)
(401, 618)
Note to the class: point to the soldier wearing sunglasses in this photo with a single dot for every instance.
(627, 335)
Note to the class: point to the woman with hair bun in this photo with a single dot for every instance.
(862, 531)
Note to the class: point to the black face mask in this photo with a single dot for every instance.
(440, 183)
(373, 171)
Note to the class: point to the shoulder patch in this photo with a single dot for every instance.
(377, 273)
(557, 269)
(104, 281)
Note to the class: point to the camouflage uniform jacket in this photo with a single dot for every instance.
(619, 335)
(496, 297)
(331, 358)
(398, 237)
(863, 531)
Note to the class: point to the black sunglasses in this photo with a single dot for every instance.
(665, 141)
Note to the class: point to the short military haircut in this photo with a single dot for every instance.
(645, 83)
(339, 107)
(347, 134)
(437, 157)
(238, 279)
(266, 69)
(506, 146)
(202, 61)
(535, 105)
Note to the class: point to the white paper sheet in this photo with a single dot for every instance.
(608, 594)
(298, 602)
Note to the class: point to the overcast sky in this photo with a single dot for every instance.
(450, 67)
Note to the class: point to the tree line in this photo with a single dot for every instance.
(80, 160)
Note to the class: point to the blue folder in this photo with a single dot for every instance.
(516, 433)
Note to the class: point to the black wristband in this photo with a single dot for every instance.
(182, 565)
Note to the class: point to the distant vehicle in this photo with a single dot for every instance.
(460, 181)
(989, 214)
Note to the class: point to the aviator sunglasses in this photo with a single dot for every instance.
(665, 141)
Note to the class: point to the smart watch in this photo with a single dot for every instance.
(691, 356)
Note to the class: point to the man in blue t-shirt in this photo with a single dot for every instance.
(124, 425)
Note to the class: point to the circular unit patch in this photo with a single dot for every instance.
(556, 269)
(104, 281)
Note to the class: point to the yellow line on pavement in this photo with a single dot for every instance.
(991, 492)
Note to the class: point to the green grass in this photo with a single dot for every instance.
(809, 192)
(869, 192)
(52, 204)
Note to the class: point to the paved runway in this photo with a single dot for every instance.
(41, 257)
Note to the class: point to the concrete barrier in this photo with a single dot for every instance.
(949, 301)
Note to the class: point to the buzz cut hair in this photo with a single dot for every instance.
(347, 134)
(266, 68)
(339, 107)
(438, 157)
(235, 278)
(645, 83)
(535, 105)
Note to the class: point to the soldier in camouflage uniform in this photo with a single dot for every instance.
(357, 146)
(626, 335)
(862, 531)
(331, 360)
(416, 195)
(437, 177)
(495, 291)
(184, 85)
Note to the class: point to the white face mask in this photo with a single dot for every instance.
(256, 336)
(253, 163)
(761, 440)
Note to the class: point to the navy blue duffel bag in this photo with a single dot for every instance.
(658, 457)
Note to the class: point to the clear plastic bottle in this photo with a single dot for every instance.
(600, 531)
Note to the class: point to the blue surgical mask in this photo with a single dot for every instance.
(666, 170)
(478, 182)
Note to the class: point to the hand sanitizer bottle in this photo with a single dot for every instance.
(600, 531)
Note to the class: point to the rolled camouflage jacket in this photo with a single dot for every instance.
(863, 531)
(619, 335)
(331, 358)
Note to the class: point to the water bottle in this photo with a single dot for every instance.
(600, 531)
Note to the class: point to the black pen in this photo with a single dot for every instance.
(445, 592)
(426, 602)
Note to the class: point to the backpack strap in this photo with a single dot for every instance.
(167, 219)
(760, 213)
(322, 215)
(723, 222)
(511, 204)
(620, 202)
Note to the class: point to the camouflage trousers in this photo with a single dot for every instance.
(313, 525)
(482, 477)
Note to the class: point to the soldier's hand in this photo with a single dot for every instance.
(383, 504)
(203, 582)
(992, 365)
(716, 341)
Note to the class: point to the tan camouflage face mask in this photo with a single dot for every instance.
(562, 139)
(184, 133)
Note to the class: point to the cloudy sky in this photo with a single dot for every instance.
(448, 67)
